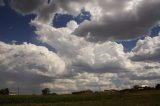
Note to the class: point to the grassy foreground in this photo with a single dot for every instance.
(138, 98)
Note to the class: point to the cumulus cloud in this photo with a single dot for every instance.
(45, 9)
(82, 55)
(72, 7)
(110, 19)
(119, 20)
(87, 65)
(28, 65)
(27, 6)
(147, 50)
(85, 81)
(72, 25)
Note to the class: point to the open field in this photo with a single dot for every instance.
(138, 98)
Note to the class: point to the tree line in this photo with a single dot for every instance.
(47, 91)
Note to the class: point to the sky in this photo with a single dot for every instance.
(72, 45)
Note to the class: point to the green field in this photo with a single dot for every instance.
(138, 98)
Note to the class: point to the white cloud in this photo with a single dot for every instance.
(72, 25)
(32, 58)
(110, 19)
(28, 65)
(85, 58)
(87, 65)
(83, 81)
(82, 55)
(147, 50)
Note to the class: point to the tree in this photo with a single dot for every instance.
(157, 86)
(45, 91)
(4, 91)
(136, 87)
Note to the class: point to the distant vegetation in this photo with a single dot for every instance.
(83, 92)
(136, 96)
(4, 91)
(157, 87)
(47, 91)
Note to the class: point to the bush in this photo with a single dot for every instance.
(4, 91)
(158, 87)
(46, 91)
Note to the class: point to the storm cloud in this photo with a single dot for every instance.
(125, 20)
